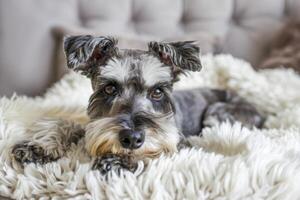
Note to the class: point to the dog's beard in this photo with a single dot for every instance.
(102, 138)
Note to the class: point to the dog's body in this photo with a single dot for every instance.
(202, 107)
(134, 112)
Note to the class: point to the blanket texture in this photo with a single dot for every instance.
(227, 162)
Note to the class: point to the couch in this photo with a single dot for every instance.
(31, 30)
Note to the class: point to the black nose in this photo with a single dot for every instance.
(130, 139)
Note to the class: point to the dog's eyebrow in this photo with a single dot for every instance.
(106, 80)
(163, 84)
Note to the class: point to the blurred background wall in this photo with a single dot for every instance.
(31, 31)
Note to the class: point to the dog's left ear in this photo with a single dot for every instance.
(180, 56)
(85, 52)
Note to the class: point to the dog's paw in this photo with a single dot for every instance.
(183, 144)
(30, 153)
(113, 162)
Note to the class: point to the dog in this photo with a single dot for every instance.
(134, 112)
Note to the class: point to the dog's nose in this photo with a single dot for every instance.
(130, 139)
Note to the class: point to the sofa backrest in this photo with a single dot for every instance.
(243, 28)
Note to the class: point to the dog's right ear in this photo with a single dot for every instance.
(84, 53)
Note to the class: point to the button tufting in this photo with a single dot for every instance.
(236, 19)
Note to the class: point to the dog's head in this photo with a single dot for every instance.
(132, 109)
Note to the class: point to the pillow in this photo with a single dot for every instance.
(285, 49)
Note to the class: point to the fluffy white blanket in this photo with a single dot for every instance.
(228, 162)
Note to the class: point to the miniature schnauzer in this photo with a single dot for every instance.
(134, 114)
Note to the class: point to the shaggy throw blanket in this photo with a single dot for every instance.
(228, 162)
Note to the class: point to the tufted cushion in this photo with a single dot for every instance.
(240, 27)
(243, 28)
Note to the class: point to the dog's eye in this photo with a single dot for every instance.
(110, 89)
(156, 94)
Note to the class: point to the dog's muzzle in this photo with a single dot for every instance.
(131, 139)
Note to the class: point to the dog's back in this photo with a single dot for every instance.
(197, 108)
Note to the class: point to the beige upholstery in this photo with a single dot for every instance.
(243, 28)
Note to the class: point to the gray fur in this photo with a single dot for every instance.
(84, 52)
(49, 141)
(179, 55)
(196, 109)
(26, 152)
(113, 162)
(136, 75)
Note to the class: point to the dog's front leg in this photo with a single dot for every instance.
(114, 162)
(47, 141)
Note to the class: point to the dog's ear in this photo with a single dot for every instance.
(86, 52)
(181, 56)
